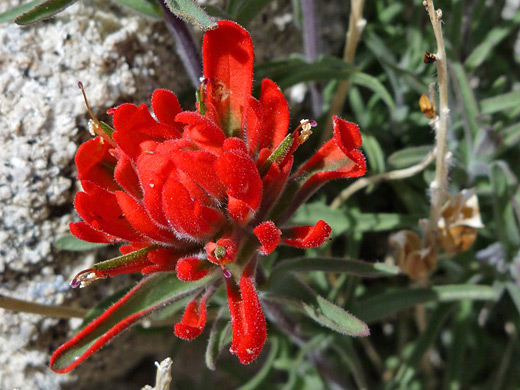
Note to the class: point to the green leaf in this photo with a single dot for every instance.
(248, 10)
(287, 73)
(324, 313)
(506, 101)
(407, 157)
(514, 292)
(220, 332)
(71, 243)
(511, 137)
(152, 293)
(104, 304)
(43, 11)
(506, 224)
(145, 7)
(349, 356)
(496, 35)
(375, 308)
(340, 320)
(408, 367)
(471, 110)
(331, 264)
(374, 153)
(13, 13)
(375, 85)
(263, 373)
(192, 13)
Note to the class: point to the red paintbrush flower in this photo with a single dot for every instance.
(194, 192)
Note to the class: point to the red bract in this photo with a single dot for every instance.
(205, 191)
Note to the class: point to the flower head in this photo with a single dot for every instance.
(204, 191)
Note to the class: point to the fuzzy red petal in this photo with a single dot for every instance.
(163, 259)
(202, 132)
(96, 164)
(268, 235)
(230, 245)
(228, 64)
(85, 232)
(274, 182)
(275, 115)
(99, 208)
(338, 158)
(193, 320)
(137, 216)
(128, 121)
(307, 236)
(190, 269)
(165, 106)
(198, 165)
(234, 143)
(247, 318)
(238, 172)
(252, 125)
(153, 171)
(186, 215)
(126, 176)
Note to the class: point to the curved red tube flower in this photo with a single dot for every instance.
(185, 191)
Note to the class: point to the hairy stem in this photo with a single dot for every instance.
(392, 175)
(184, 44)
(355, 28)
(37, 308)
(439, 186)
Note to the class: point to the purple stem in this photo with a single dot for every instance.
(310, 41)
(184, 45)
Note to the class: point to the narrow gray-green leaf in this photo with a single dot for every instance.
(346, 321)
(506, 224)
(496, 35)
(248, 10)
(324, 313)
(13, 13)
(375, 85)
(338, 265)
(471, 110)
(506, 101)
(374, 153)
(407, 157)
(192, 13)
(71, 243)
(263, 373)
(408, 367)
(287, 73)
(146, 7)
(219, 331)
(43, 11)
(514, 292)
(375, 308)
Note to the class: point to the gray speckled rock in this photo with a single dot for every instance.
(115, 53)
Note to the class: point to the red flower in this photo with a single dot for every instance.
(194, 191)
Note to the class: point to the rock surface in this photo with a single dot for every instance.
(115, 53)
